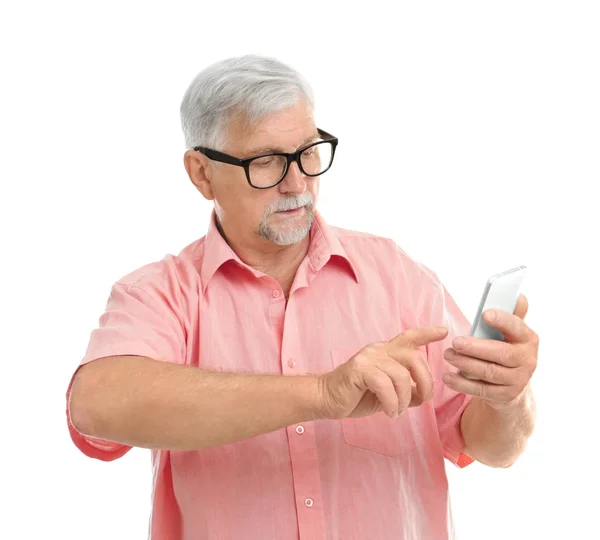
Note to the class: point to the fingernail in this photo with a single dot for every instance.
(447, 377)
(459, 342)
(490, 316)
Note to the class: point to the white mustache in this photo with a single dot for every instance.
(293, 202)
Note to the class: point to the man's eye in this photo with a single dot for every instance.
(263, 162)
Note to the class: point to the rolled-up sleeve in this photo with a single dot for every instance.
(449, 404)
(140, 319)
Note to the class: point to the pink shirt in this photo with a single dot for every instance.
(347, 479)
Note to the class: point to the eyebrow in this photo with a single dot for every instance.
(271, 149)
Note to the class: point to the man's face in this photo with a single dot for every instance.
(246, 211)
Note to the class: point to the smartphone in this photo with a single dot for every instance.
(501, 292)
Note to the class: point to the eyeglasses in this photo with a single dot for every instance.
(267, 170)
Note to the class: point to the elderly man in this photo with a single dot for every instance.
(292, 379)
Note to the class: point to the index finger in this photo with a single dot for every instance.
(417, 337)
(416, 364)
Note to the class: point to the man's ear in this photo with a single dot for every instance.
(196, 165)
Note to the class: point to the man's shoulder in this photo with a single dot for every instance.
(361, 245)
(360, 240)
(169, 269)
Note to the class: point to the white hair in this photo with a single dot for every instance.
(246, 87)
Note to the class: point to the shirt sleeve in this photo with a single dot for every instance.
(140, 319)
(433, 305)
(449, 404)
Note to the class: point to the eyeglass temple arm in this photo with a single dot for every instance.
(220, 156)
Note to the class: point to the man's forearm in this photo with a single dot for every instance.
(498, 437)
(150, 404)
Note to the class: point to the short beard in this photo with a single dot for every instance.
(288, 232)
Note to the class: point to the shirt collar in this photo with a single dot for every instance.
(324, 244)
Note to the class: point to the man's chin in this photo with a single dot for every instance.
(287, 236)
(286, 230)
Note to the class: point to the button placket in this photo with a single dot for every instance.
(302, 445)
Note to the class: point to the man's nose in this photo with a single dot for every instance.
(294, 180)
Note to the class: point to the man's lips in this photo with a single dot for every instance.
(292, 212)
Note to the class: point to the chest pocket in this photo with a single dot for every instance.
(378, 432)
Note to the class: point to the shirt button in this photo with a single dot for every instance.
(275, 294)
(309, 502)
(300, 430)
(291, 363)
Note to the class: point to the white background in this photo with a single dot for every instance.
(469, 132)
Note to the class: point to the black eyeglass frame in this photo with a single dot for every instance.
(222, 157)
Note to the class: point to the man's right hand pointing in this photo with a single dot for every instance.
(379, 377)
